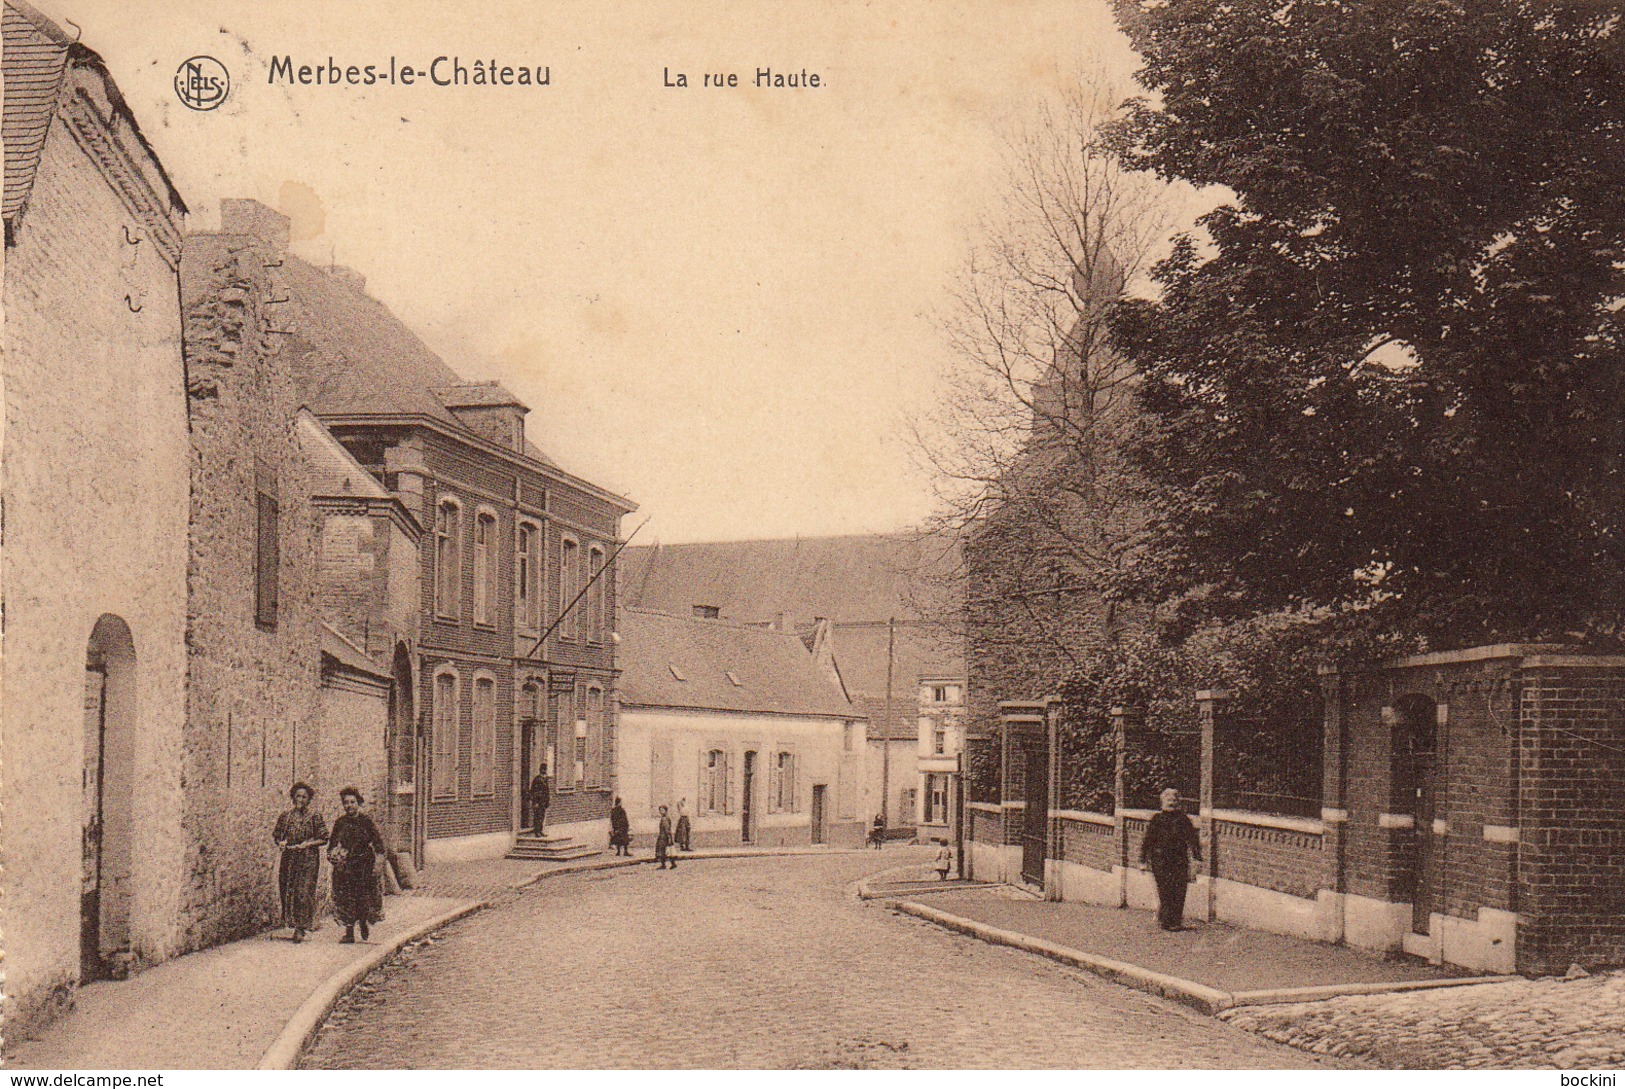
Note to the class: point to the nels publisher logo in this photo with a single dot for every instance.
(202, 83)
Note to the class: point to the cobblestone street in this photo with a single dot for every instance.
(751, 963)
(1524, 1024)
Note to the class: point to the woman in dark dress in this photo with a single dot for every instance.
(300, 835)
(352, 848)
(620, 830)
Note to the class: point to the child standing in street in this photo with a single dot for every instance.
(945, 859)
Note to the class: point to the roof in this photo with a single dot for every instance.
(348, 655)
(793, 580)
(856, 582)
(36, 57)
(479, 395)
(682, 662)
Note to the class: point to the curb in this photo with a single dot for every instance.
(1209, 1000)
(1286, 995)
(624, 863)
(284, 1052)
(1202, 998)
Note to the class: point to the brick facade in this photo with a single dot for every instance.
(1474, 814)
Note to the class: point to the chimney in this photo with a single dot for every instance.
(250, 217)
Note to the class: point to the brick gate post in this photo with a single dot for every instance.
(1213, 710)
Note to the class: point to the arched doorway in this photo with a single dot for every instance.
(107, 796)
(1415, 769)
(402, 747)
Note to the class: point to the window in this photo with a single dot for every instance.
(266, 559)
(939, 694)
(485, 571)
(714, 782)
(595, 755)
(939, 741)
(569, 587)
(595, 595)
(784, 783)
(527, 566)
(444, 741)
(448, 562)
(580, 776)
(483, 777)
(706, 612)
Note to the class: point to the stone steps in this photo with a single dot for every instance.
(533, 848)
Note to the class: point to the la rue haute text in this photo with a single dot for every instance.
(765, 78)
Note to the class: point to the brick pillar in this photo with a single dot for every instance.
(1334, 812)
(1213, 709)
(1119, 793)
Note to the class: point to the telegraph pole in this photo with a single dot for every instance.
(885, 740)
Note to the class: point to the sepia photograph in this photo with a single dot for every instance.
(864, 535)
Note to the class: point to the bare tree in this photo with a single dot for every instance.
(1025, 445)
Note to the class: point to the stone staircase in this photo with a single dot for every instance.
(530, 847)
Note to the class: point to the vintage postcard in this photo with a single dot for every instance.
(841, 536)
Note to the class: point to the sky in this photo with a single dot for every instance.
(716, 301)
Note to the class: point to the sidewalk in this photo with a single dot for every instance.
(254, 1002)
(1212, 966)
(227, 1008)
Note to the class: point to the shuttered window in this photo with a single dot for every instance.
(484, 771)
(444, 742)
(266, 560)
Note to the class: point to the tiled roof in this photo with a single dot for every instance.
(36, 55)
(360, 359)
(852, 578)
(856, 582)
(478, 395)
(348, 655)
(674, 661)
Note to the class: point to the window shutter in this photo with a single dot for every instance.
(795, 783)
(727, 783)
(702, 795)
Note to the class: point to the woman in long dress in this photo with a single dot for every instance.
(300, 834)
(352, 848)
(620, 829)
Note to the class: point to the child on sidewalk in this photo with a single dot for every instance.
(945, 859)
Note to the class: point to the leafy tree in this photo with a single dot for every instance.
(1388, 379)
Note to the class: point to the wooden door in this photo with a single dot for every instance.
(747, 791)
(95, 748)
(819, 834)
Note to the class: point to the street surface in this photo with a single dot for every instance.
(749, 963)
(1524, 1024)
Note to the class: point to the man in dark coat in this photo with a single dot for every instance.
(620, 829)
(663, 842)
(539, 797)
(1170, 843)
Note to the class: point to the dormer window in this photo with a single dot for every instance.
(733, 678)
(675, 672)
(707, 612)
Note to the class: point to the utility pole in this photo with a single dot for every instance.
(885, 739)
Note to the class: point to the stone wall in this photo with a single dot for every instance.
(95, 476)
(252, 718)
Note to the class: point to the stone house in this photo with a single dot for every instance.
(514, 548)
(750, 726)
(93, 570)
(892, 600)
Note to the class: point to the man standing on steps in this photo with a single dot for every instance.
(1171, 841)
(539, 797)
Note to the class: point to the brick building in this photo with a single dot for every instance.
(751, 726)
(860, 584)
(1472, 813)
(512, 546)
(93, 568)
